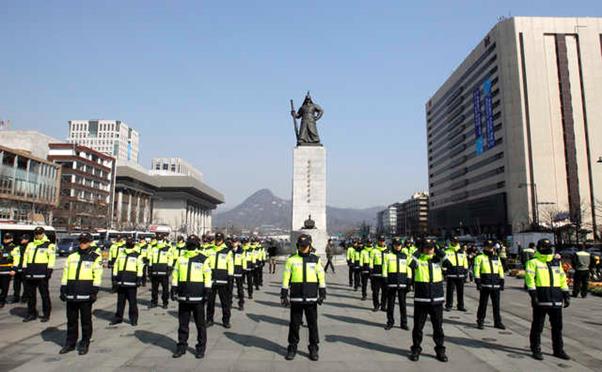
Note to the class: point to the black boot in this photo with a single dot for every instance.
(29, 318)
(441, 356)
(115, 321)
(66, 349)
(480, 324)
(199, 353)
(209, 323)
(388, 326)
(500, 326)
(562, 355)
(313, 353)
(415, 355)
(404, 327)
(291, 352)
(15, 300)
(83, 348)
(537, 355)
(181, 350)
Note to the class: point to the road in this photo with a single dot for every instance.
(352, 337)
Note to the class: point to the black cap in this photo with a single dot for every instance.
(489, 243)
(396, 242)
(130, 243)
(428, 244)
(544, 244)
(381, 238)
(303, 240)
(85, 238)
(39, 230)
(192, 243)
(7, 236)
(180, 238)
(25, 237)
(455, 239)
(219, 236)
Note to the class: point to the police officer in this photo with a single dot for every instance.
(350, 254)
(357, 269)
(428, 299)
(547, 285)
(116, 248)
(82, 276)
(526, 254)
(18, 254)
(222, 269)
(377, 256)
(249, 273)
(190, 286)
(6, 266)
(304, 281)
(365, 267)
(410, 247)
(240, 267)
(144, 249)
(397, 277)
(40, 257)
(455, 266)
(127, 277)
(159, 265)
(257, 267)
(489, 278)
(582, 263)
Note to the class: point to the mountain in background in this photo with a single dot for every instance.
(265, 208)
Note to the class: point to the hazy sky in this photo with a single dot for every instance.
(210, 81)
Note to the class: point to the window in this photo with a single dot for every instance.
(165, 166)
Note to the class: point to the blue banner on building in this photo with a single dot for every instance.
(476, 106)
(490, 133)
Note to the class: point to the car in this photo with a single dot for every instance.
(66, 246)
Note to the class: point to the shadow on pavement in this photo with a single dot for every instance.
(346, 306)
(257, 342)
(269, 303)
(351, 320)
(103, 314)
(55, 335)
(157, 339)
(21, 312)
(338, 295)
(106, 289)
(366, 344)
(268, 319)
(272, 293)
(474, 343)
(173, 313)
(143, 301)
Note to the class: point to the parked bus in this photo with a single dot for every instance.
(17, 229)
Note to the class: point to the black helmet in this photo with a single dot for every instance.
(180, 238)
(130, 243)
(455, 239)
(489, 243)
(545, 246)
(85, 238)
(38, 230)
(396, 242)
(381, 238)
(303, 240)
(428, 244)
(219, 236)
(192, 243)
(7, 236)
(25, 237)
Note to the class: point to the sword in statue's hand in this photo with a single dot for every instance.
(294, 115)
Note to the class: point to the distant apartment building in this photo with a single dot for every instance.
(170, 166)
(111, 137)
(387, 220)
(412, 215)
(29, 187)
(30, 141)
(517, 128)
(87, 187)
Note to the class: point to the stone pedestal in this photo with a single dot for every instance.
(309, 194)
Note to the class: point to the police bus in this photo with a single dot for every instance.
(17, 229)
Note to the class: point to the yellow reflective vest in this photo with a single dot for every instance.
(396, 269)
(303, 275)
(128, 268)
(488, 271)
(82, 275)
(222, 264)
(428, 279)
(545, 276)
(377, 256)
(191, 277)
(40, 256)
(455, 263)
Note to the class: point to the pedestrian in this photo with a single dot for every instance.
(160, 262)
(222, 269)
(304, 282)
(350, 255)
(240, 267)
(127, 277)
(503, 255)
(250, 272)
(365, 267)
(191, 286)
(582, 263)
(80, 283)
(272, 256)
(377, 257)
(455, 265)
(397, 277)
(116, 247)
(547, 285)
(489, 277)
(40, 257)
(145, 252)
(329, 254)
(7, 267)
(428, 299)
(18, 254)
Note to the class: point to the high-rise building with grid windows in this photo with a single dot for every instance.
(111, 137)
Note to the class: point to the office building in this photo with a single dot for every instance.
(386, 220)
(517, 128)
(169, 166)
(87, 186)
(29, 187)
(29, 141)
(412, 215)
(111, 137)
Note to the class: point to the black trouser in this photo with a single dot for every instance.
(421, 311)
(249, 277)
(30, 292)
(581, 283)
(351, 270)
(4, 286)
(130, 294)
(198, 314)
(357, 273)
(144, 273)
(365, 277)
(378, 298)
(18, 283)
(329, 264)
(256, 276)
(74, 311)
(261, 273)
(484, 296)
(240, 290)
(539, 318)
(400, 293)
(458, 283)
(311, 315)
(222, 291)
(157, 280)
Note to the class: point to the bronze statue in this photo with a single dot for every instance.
(309, 113)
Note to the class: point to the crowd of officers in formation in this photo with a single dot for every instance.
(195, 271)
